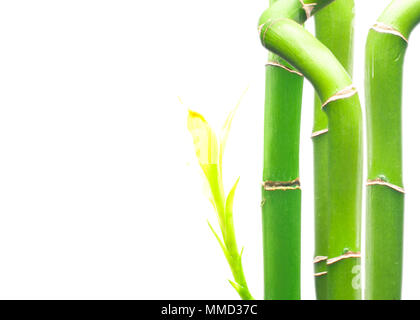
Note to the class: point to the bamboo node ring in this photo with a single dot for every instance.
(308, 7)
(281, 185)
(276, 64)
(381, 182)
(348, 254)
(319, 274)
(384, 28)
(318, 133)
(318, 259)
(347, 92)
(268, 27)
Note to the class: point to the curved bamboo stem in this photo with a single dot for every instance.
(293, 43)
(281, 194)
(334, 28)
(385, 50)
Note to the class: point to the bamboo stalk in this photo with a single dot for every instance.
(385, 50)
(281, 194)
(334, 28)
(281, 206)
(293, 43)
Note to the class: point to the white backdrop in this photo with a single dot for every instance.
(100, 192)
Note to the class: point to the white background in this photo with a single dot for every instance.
(100, 192)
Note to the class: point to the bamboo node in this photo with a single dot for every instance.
(384, 28)
(381, 182)
(318, 259)
(347, 92)
(268, 27)
(276, 64)
(348, 254)
(318, 133)
(319, 274)
(281, 185)
(308, 7)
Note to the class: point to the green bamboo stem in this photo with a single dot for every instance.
(281, 208)
(334, 28)
(293, 43)
(385, 50)
(281, 194)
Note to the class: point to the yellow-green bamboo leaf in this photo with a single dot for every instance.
(230, 231)
(218, 239)
(205, 140)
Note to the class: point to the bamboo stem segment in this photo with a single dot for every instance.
(293, 43)
(334, 28)
(281, 194)
(281, 209)
(385, 50)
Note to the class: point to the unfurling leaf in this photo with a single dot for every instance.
(206, 149)
(230, 197)
(205, 140)
(230, 234)
(209, 154)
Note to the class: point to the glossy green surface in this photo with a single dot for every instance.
(281, 209)
(281, 238)
(345, 193)
(384, 246)
(334, 28)
(402, 15)
(297, 46)
(385, 206)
